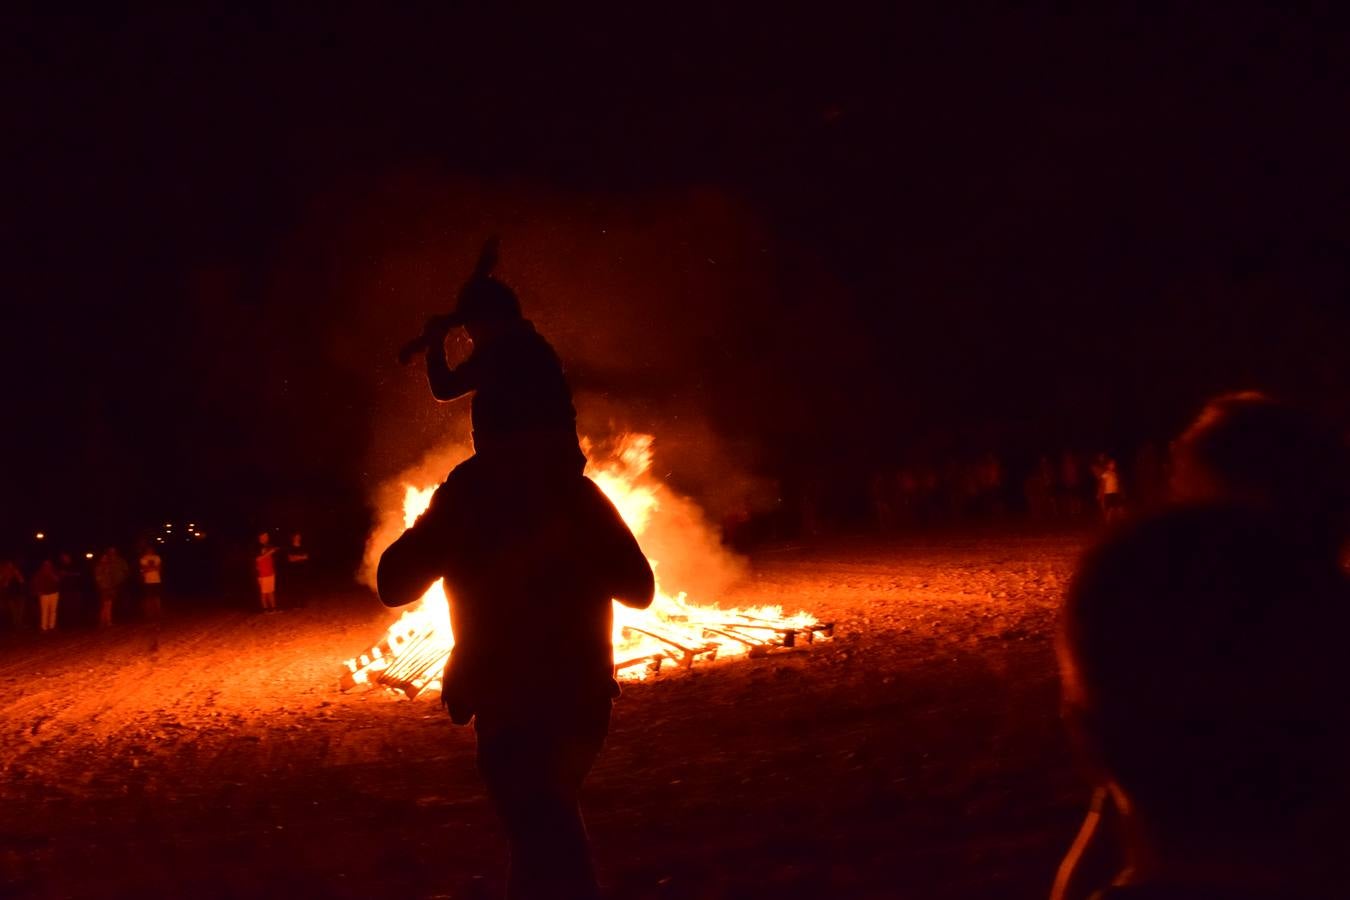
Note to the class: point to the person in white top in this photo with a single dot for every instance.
(1108, 490)
(151, 586)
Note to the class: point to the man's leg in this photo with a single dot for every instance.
(533, 774)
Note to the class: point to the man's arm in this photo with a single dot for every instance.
(421, 554)
(406, 570)
(624, 570)
(449, 383)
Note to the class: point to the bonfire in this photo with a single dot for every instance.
(674, 630)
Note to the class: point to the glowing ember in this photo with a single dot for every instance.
(413, 653)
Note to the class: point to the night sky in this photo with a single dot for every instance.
(779, 239)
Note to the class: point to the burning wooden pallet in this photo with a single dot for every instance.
(412, 661)
(759, 639)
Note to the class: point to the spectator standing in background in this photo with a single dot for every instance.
(110, 575)
(989, 485)
(1109, 496)
(151, 583)
(1071, 484)
(46, 585)
(881, 493)
(1038, 487)
(266, 564)
(11, 592)
(297, 571)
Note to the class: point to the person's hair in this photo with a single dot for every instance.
(1250, 448)
(1202, 658)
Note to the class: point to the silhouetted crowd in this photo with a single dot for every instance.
(45, 591)
(1065, 487)
(60, 589)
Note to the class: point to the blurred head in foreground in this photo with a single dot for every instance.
(1201, 660)
(1250, 449)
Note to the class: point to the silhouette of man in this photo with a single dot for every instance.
(531, 562)
(1203, 683)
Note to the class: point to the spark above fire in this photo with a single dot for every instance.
(412, 654)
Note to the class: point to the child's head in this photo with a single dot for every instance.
(485, 306)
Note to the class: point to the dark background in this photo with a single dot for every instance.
(783, 239)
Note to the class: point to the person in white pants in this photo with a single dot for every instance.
(47, 585)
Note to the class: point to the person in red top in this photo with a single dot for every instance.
(267, 572)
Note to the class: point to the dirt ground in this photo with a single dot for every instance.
(919, 754)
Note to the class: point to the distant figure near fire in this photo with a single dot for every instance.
(151, 584)
(110, 575)
(265, 564)
(46, 586)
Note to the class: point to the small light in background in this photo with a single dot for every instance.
(89, 556)
(40, 536)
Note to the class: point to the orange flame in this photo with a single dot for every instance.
(672, 628)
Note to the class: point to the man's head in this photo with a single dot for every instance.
(264, 538)
(1249, 448)
(1201, 662)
